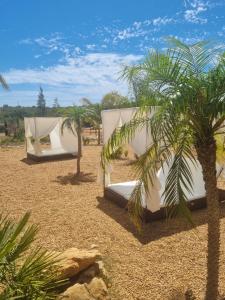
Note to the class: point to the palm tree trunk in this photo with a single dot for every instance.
(79, 154)
(99, 136)
(207, 157)
(6, 128)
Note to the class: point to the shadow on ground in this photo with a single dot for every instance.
(75, 179)
(156, 229)
(31, 162)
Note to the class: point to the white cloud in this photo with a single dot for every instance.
(90, 75)
(140, 29)
(90, 46)
(26, 41)
(162, 21)
(76, 49)
(56, 42)
(196, 7)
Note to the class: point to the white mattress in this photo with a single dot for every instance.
(125, 189)
(51, 152)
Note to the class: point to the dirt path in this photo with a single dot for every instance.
(165, 258)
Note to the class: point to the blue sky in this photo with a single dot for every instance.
(76, 49)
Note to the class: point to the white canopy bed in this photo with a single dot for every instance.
(61, 145)
(153, 204)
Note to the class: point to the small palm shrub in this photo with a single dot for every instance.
(117, 154)
(25, 274)
(86, 140)
(126, 153)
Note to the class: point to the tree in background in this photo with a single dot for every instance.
(93, 115)
(56, 103)
(5, 86)
(75, 118)
(187, 84)
(115, 100)
(41, 104)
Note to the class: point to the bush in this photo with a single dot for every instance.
(86, 140)
(117, 154)
(19, 135)
(126, 153)
(17, 138)
(25, 274)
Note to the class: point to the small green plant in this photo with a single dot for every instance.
(86, 140)
(19, 135)
(125, 153)
(25, 274)
(117, 154)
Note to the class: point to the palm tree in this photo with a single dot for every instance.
(93, 115)
(3, 82)
(23, 274)
(187, 84)
(6, 87)
(74, 122)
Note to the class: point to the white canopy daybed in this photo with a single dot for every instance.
(62, 145)
(153, 204)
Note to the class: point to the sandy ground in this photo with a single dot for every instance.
(167, 257)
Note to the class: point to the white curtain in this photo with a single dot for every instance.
(112, 119)
(42, 127)
(38, 128)
(66, 140)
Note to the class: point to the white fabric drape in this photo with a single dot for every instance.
(65, 140)
(115, 118)
(41, 127)
(38, 128)
(152, 196)
(198, 182)
(112, 119)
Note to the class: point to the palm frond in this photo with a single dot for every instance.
(69, 124)
(3, 82)
(25, 274)
(122, 135)
(197, 57)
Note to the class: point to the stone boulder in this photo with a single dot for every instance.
(73, 261)
(76, 292)
(95, 290)
(95, 270)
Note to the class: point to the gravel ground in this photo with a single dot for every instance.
(167, 257)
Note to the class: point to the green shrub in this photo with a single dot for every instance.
(126, 153)
(25, 274)
(19, 135)
(117, 154)
(86, 140)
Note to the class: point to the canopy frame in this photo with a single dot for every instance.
(152, 211)
(63, 145)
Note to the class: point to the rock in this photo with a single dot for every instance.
(97, 289)
(87, 275)
(76, 292)
(93, 246)
(73, 261)
(95, 270)
(102, 270)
